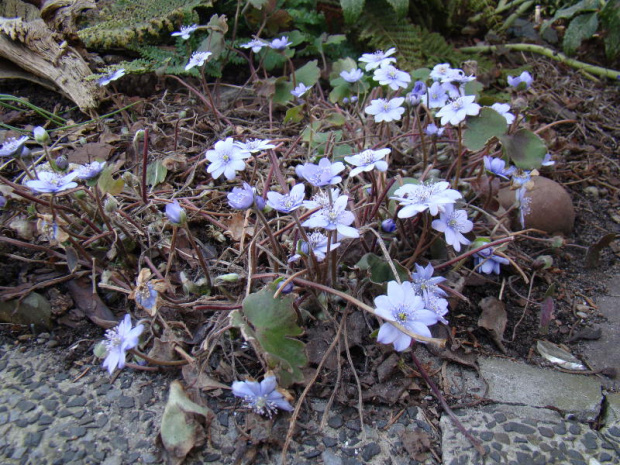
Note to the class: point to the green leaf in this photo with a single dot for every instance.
(352, 9)
(155, 173)
(473, 88)
(335, 39)
(380, 270)
(525, 149)
(270, 324)
(401, 7)
(420, 74)
(482, 128)
(308, 73)
(343, 64)
(283, 90)
(339, 92)
(336, 119)
(610, 21)
(258, 4)
(584, 6)
(108, 184)
(295, 114)
(581, 28)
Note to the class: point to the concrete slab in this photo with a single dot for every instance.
(524, 435)
(518, 383)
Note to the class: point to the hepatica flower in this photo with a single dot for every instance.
(352, 76)
(417, 93)
(119, 340)
(453, 224)
(185, 31)
(113, 76)
(52, 183)
(497, 166)
(256, 45)
(262, 398)
(241, 198)
(368, 160)
(90, 170)
(323, 174)
(255, 145)
(378, 58)
(388, 75)
(197, 59)
(226, 159)
(456, 111)
(175, 213)
(504, 110)
(437, 96)
(403, 306)
(286, 203)
(388, 225)
(524, 78)
(280, 44)
(322, 199)
(317, 243)
(300, 90)
(440, 71)
(13, 147)
(386, 110)
(424, 283)
(433, 130)
(336, 217)
(487, 262)
(416, 198)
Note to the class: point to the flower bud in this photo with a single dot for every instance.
(229, 278)
(110, 205)
(62, 163)
(41, 135)
(542, 262)
(175, 213)
(388, 226)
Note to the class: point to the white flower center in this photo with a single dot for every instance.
(457, 104)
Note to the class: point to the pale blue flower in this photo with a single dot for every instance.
(13, 147)
(525, 78)
(504, 110)
(119, 341)
(437, 96)
(352, 76)
(146, 296)
(456, 75)
(317, 242)
(388, 225)
(433, 130)
(255, 145)
(386, 110)
(520, 178)
(416, 198)
(368, 160)
(280, 44)
(175, 213)
(241, 198)
(425, 284)
(403, 306)
(90, 170)
(388, 75)
(336, 217)
(547, 160)
(226, 159)
(256, 45)
(286, 203)
(378, 58)
(322, 199)
(456, 111)
(197, 59)
(185, 31)
(497, 166)
(417, 93)
(440, 71)
(453, 223)
(323, 174)
(437, 305)
(52, 183)
(487, 262)
(262, 398)
(300, 90)
(113, 76)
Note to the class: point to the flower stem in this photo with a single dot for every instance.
(201, 258)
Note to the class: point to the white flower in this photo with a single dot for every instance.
(335, 217)
(386, 110)
(120, 339)
(433, 130)
(456, 111)
(416, 198)
(425, 284)
(300, 90)
(524, 78)
(226, 159)
(52, 183)
(440, 71)
(379, 58)
(90, 170)
(457, 75)
(108, 78)
(255, 145)
(280, 44)
(403, 306)
(453, 224)
(261, 397)
(185, 31)
(286, 203)
(322, 174)
(388, 75)
(352, 76)
(437, 95)
(317, 242)
(13, 146)
(256, 45)
(368, 160)
(504, 110)
(197, 59)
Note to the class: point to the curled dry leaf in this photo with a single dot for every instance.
(494, 319)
